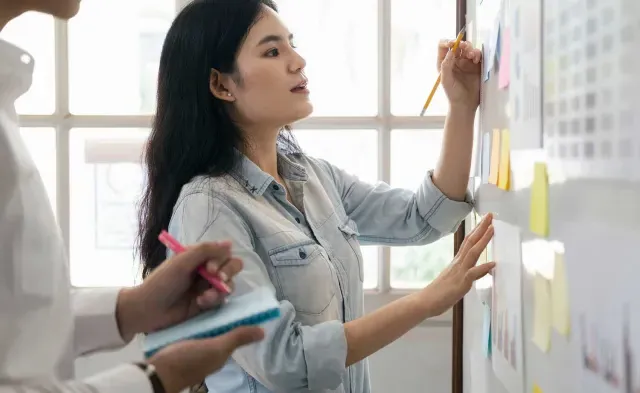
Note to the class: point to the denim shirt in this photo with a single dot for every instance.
(309, 254)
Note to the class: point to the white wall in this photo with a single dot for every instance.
(418, 362)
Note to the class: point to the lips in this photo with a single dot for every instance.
(300, 87)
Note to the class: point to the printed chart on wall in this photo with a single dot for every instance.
(606, 316)
(506, 308)
(525, 85)
(592, 88)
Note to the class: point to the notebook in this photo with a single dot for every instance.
(253, 308)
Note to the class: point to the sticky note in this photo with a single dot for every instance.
(560, 297)
(541, 313)
(486, 331)
(486, 157)
(536, 388)
(504, 172)
(495, 157)
(494, 42)
(504, 73)
(486, 64)
(539, 210)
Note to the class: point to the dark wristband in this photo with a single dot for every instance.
(150, 372)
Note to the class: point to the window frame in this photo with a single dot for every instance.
(384, 122)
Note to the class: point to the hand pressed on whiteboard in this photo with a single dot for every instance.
(460, 73)
(457, 279)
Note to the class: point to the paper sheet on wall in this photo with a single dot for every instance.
(504, 70)
(486, 330)
(486, 157)
(495, 157)
(478, 373)
(525, 82)
(591, 101)
(605, 313)
(504, 172)
(539, 204)
(541, 336)
(507, 343)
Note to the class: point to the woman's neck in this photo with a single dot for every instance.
(263, 152)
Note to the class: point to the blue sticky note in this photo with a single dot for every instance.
(486, 157)
(486, 64)
(486, 330)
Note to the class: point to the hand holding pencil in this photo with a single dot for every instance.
(460, 66)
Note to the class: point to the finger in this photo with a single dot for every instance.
(229, 342)
(474, 253)
(232, 267)
(209, 299)
(477, 272)
(444, 47)
(475, 234)
(202, 253)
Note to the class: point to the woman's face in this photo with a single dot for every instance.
(269, 88)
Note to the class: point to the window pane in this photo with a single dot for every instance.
(416, 28)
(28, 32)
(113, 67)
(415, 267)
(339, 40)
(41, 143)
(106, 184)
(338, 147)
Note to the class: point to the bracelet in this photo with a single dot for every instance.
(150, 371)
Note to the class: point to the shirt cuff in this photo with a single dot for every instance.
(124, 378)
(96, 327)
(442, 214)
(325, 352)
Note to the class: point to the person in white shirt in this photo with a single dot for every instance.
(44, 324)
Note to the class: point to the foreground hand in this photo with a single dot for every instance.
(174, 291)
(457, 279)
(460, 73)
(187, 363)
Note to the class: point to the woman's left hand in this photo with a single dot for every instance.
(460, 73)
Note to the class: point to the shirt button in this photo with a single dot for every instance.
(275, 187)
(302, 254)
(298, 220)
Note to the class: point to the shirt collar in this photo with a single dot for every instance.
(256, 181)
(16, 72)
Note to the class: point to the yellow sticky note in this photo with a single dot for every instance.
(505, 165)
(541, 313)
(560, 297)
(536, 388)
(539, 213)
(495, 157)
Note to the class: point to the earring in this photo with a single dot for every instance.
(229, 94)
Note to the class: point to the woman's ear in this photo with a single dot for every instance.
(218, 86)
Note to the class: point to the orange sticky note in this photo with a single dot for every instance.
(539, 210)
(504, 167)
(495, 157)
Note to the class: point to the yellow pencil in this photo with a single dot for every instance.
(435, 85)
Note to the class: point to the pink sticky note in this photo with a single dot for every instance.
(504, 73)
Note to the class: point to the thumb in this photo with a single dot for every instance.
(238, 337)
(448, 62)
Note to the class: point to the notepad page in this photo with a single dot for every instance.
(239, 308)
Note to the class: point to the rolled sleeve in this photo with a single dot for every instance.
(442, 213)
(325, 352)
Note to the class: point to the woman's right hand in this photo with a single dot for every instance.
(187, 363)
(457, 279)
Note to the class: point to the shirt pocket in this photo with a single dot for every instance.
(305, 277)
(350, 232)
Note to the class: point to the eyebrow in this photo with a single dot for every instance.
(273, 38)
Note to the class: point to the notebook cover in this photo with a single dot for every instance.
(255, 307)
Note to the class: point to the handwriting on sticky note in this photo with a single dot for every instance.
(541, 313)
(539, 209)
(560, 297)
(495, 157)
(505, 60)
(504, 171)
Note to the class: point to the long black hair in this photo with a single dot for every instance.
(193, 133)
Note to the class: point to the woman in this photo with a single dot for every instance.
(222, 165)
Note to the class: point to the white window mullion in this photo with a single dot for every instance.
(63, 186)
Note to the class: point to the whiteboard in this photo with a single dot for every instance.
(594, 204)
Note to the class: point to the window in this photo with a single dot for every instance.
(371, 65)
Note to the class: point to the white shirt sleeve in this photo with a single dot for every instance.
(125, 378)
(95, 324)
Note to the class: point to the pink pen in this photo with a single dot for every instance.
(171, 243)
